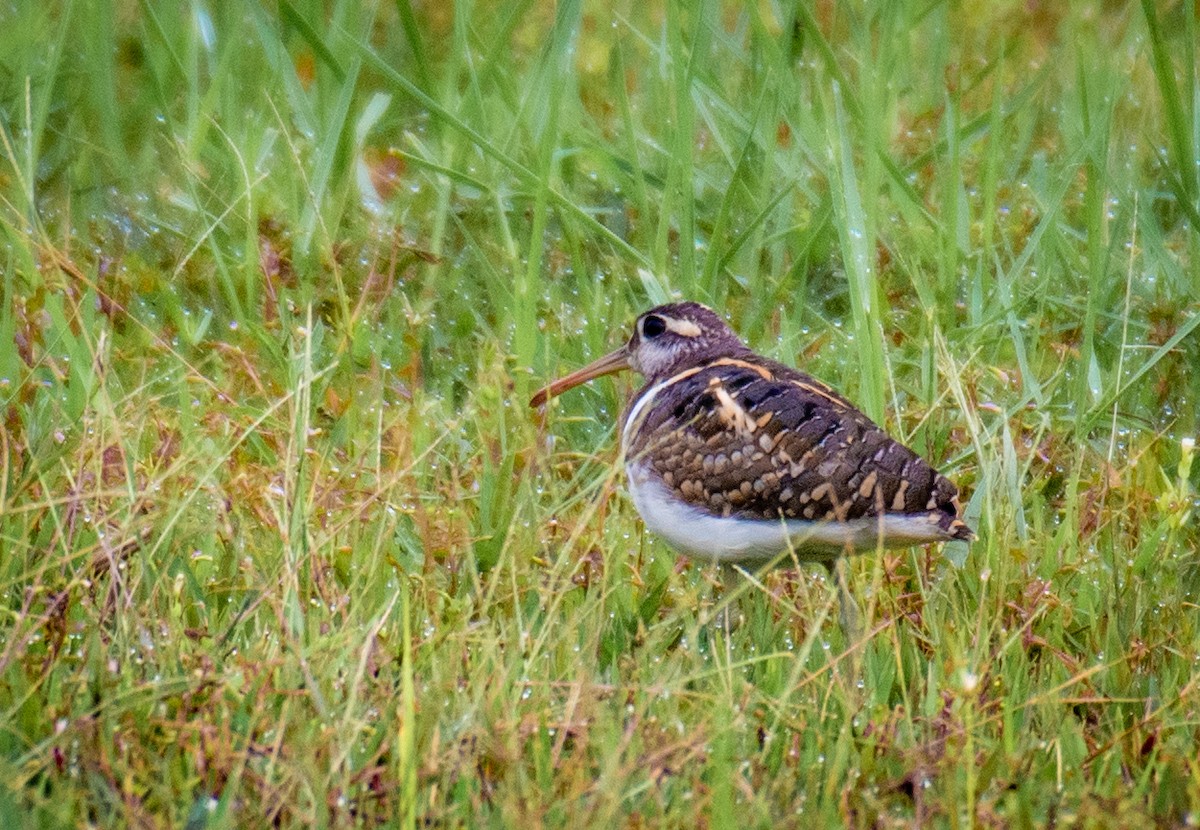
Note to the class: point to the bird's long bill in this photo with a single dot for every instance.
(609, 364)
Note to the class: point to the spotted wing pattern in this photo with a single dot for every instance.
(755, 439)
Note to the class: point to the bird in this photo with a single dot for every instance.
(738, 459)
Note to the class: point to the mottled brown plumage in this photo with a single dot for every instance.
(737, 457)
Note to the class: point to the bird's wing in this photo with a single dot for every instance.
(759, 440)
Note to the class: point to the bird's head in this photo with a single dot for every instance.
(666, 339)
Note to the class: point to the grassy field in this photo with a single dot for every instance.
(281, 543)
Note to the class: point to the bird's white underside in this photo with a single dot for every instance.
(698, 533)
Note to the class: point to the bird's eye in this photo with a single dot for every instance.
(653, 326)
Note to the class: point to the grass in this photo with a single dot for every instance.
(281, 544)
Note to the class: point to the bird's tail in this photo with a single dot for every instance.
(958, 529)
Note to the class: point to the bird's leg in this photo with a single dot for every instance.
(847, 607)
(729, 618)
(730, 580)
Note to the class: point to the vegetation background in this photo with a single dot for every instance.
(281, 543)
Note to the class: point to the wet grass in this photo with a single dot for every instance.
(281, 544)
